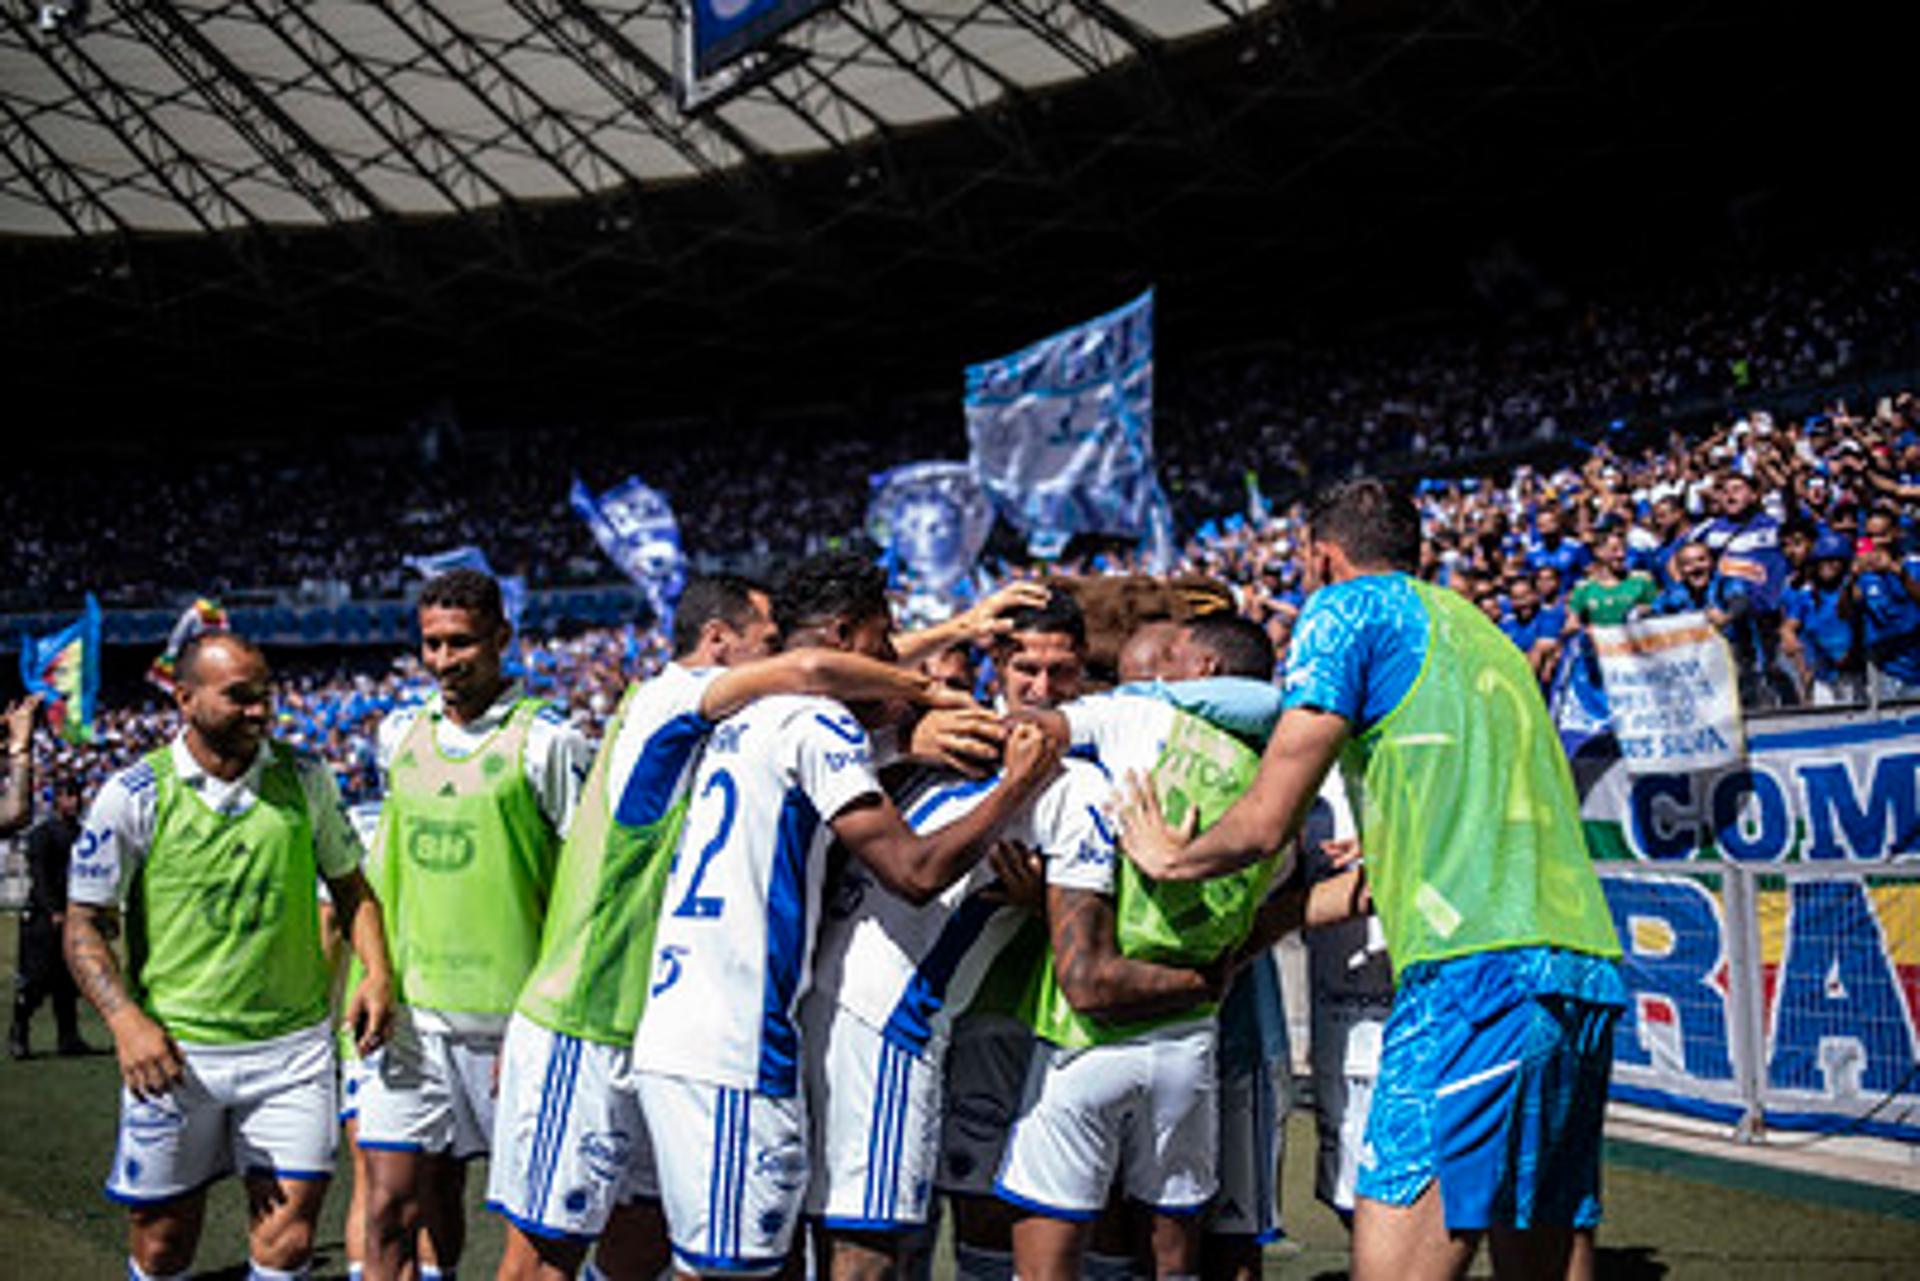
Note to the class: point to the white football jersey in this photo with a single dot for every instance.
(734, 950)
(1123, 731)
(910, 971)
(653, 751)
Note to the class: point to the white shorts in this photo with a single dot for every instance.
(568, 1141)
(1346, 1059)
(265, 1107)
(1147, 1107)
(733, 1172)
(875, 1112)
(429, 1091)
(1253, 1138)
(986, 1073)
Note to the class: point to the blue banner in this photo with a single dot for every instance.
(64, 668)
(1061, 433)
(723, 30)
(633, 524)
(930, 520)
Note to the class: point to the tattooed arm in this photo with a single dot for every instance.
(1101, 983)
(150, 1062)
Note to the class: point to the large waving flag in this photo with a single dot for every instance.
(513, 588)
(65, 668)
(633, 524)
(1062, 432)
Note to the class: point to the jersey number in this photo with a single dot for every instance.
(702, 907)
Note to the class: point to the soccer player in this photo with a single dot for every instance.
(890, 978)
(1132, 1078)
(1487, 1112)
(481, 783)
(717, 1058)
(216, 845)
(571, 1157)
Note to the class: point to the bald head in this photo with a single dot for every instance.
(1144, 656)
(215, 657)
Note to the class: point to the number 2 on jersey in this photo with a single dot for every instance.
(707, 906)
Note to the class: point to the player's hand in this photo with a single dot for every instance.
(1341, 852)
(370, 1012)
(964, 739)
(1031, 757)
(984, 621)
(1144, 835)
(939, 694)
(1023, 877)
(20, 723)
(150, 1063)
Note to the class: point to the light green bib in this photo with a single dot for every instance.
(1468, 813)
(465, 867)
(1184, 923)
(223, 919)
(596, 951)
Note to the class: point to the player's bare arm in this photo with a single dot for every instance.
(150, 1062)
(918, 867)
(979, 624)
(1098, 981)
(1304, 747)
(846, 677)
(370, 1006)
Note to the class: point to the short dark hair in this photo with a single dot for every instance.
(1060, 616)
(187, 660)
(1373, 522)
(1242, 645)
(726, 597)
(832, 585)
(468, 589)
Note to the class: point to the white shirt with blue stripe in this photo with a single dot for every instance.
(909, 971)
(734, 950)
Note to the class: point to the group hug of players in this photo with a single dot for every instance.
(813, 939)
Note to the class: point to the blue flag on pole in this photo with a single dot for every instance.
(65, 669)
(633, 524)
(1061, 433)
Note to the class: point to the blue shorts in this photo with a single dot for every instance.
(1493, 1080)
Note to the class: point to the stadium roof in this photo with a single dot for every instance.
(273, 210)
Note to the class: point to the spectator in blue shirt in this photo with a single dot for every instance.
(1747, 541)
(1820, 626)
(1554, 547)
(1533, 628)
(1728, 603)
(1888, 586)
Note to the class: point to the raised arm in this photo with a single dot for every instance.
(918, 867)
(1101, 983)
(370, 1007)
(1303, 748)
(150, 1062)
(850, 678)
(16, 800)
(980, 623)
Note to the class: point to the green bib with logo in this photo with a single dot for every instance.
(465, 866)
(223, 918)
(596, 952)
(1467, 808)
(1182, 923)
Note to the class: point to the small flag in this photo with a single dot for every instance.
(65, 668)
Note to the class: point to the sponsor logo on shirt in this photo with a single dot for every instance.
(439, 846)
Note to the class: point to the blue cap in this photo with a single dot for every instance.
(1832, 546)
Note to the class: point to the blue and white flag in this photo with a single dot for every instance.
(634, 525)
(513, 588)
(1061, 432)
(931, 520)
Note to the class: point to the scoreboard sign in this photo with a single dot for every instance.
(726, 30)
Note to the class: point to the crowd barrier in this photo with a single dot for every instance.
(1770, 915)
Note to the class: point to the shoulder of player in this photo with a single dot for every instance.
(135, 783)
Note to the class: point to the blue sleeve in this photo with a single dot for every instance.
(1358, 648)
(1233, 703)
(1552, 622)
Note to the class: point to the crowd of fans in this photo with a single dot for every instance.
(1300, 413)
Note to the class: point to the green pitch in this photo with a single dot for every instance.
(1675, 1217)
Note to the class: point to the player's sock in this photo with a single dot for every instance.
(970, 1263)
(261, 1272)
(137, 1273)
(1106, 1267)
